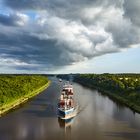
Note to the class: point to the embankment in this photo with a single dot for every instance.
(19, 90)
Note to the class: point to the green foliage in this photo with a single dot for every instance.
(13, 87)
(117, 82)
(126, 86)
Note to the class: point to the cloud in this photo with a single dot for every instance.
(132, 10)
(66, 32)
(16, 19)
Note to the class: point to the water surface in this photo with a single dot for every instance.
(99, 118)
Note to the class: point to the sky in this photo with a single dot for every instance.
(69, 36)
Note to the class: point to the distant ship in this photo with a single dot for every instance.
(66, 104)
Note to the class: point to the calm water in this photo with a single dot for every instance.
(99, 118)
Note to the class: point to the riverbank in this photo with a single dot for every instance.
(113, 96)
(14, 104)
(122, 100)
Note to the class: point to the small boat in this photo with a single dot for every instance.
(60, 80)
(66, 104)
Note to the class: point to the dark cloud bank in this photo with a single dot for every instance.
(66, 32)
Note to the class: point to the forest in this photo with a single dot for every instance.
(123, 87)
(114, 82)
(13, 87)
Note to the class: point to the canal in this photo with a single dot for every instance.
(98, 118)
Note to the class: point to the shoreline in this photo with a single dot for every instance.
(13, 105)
(120, 99)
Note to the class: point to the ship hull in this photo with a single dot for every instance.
(66, 114)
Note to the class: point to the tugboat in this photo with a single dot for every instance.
(60, 80)
(66, 104)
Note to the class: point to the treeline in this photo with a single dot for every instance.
(13, 87)
(65, 76)
(124, 86)
(116, 82)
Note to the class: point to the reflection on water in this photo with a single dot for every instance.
(98, 118)
(66, 125)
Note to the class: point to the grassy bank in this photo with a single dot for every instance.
(116, 87)
(12, 99)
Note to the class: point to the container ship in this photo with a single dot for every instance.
(66, 104)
